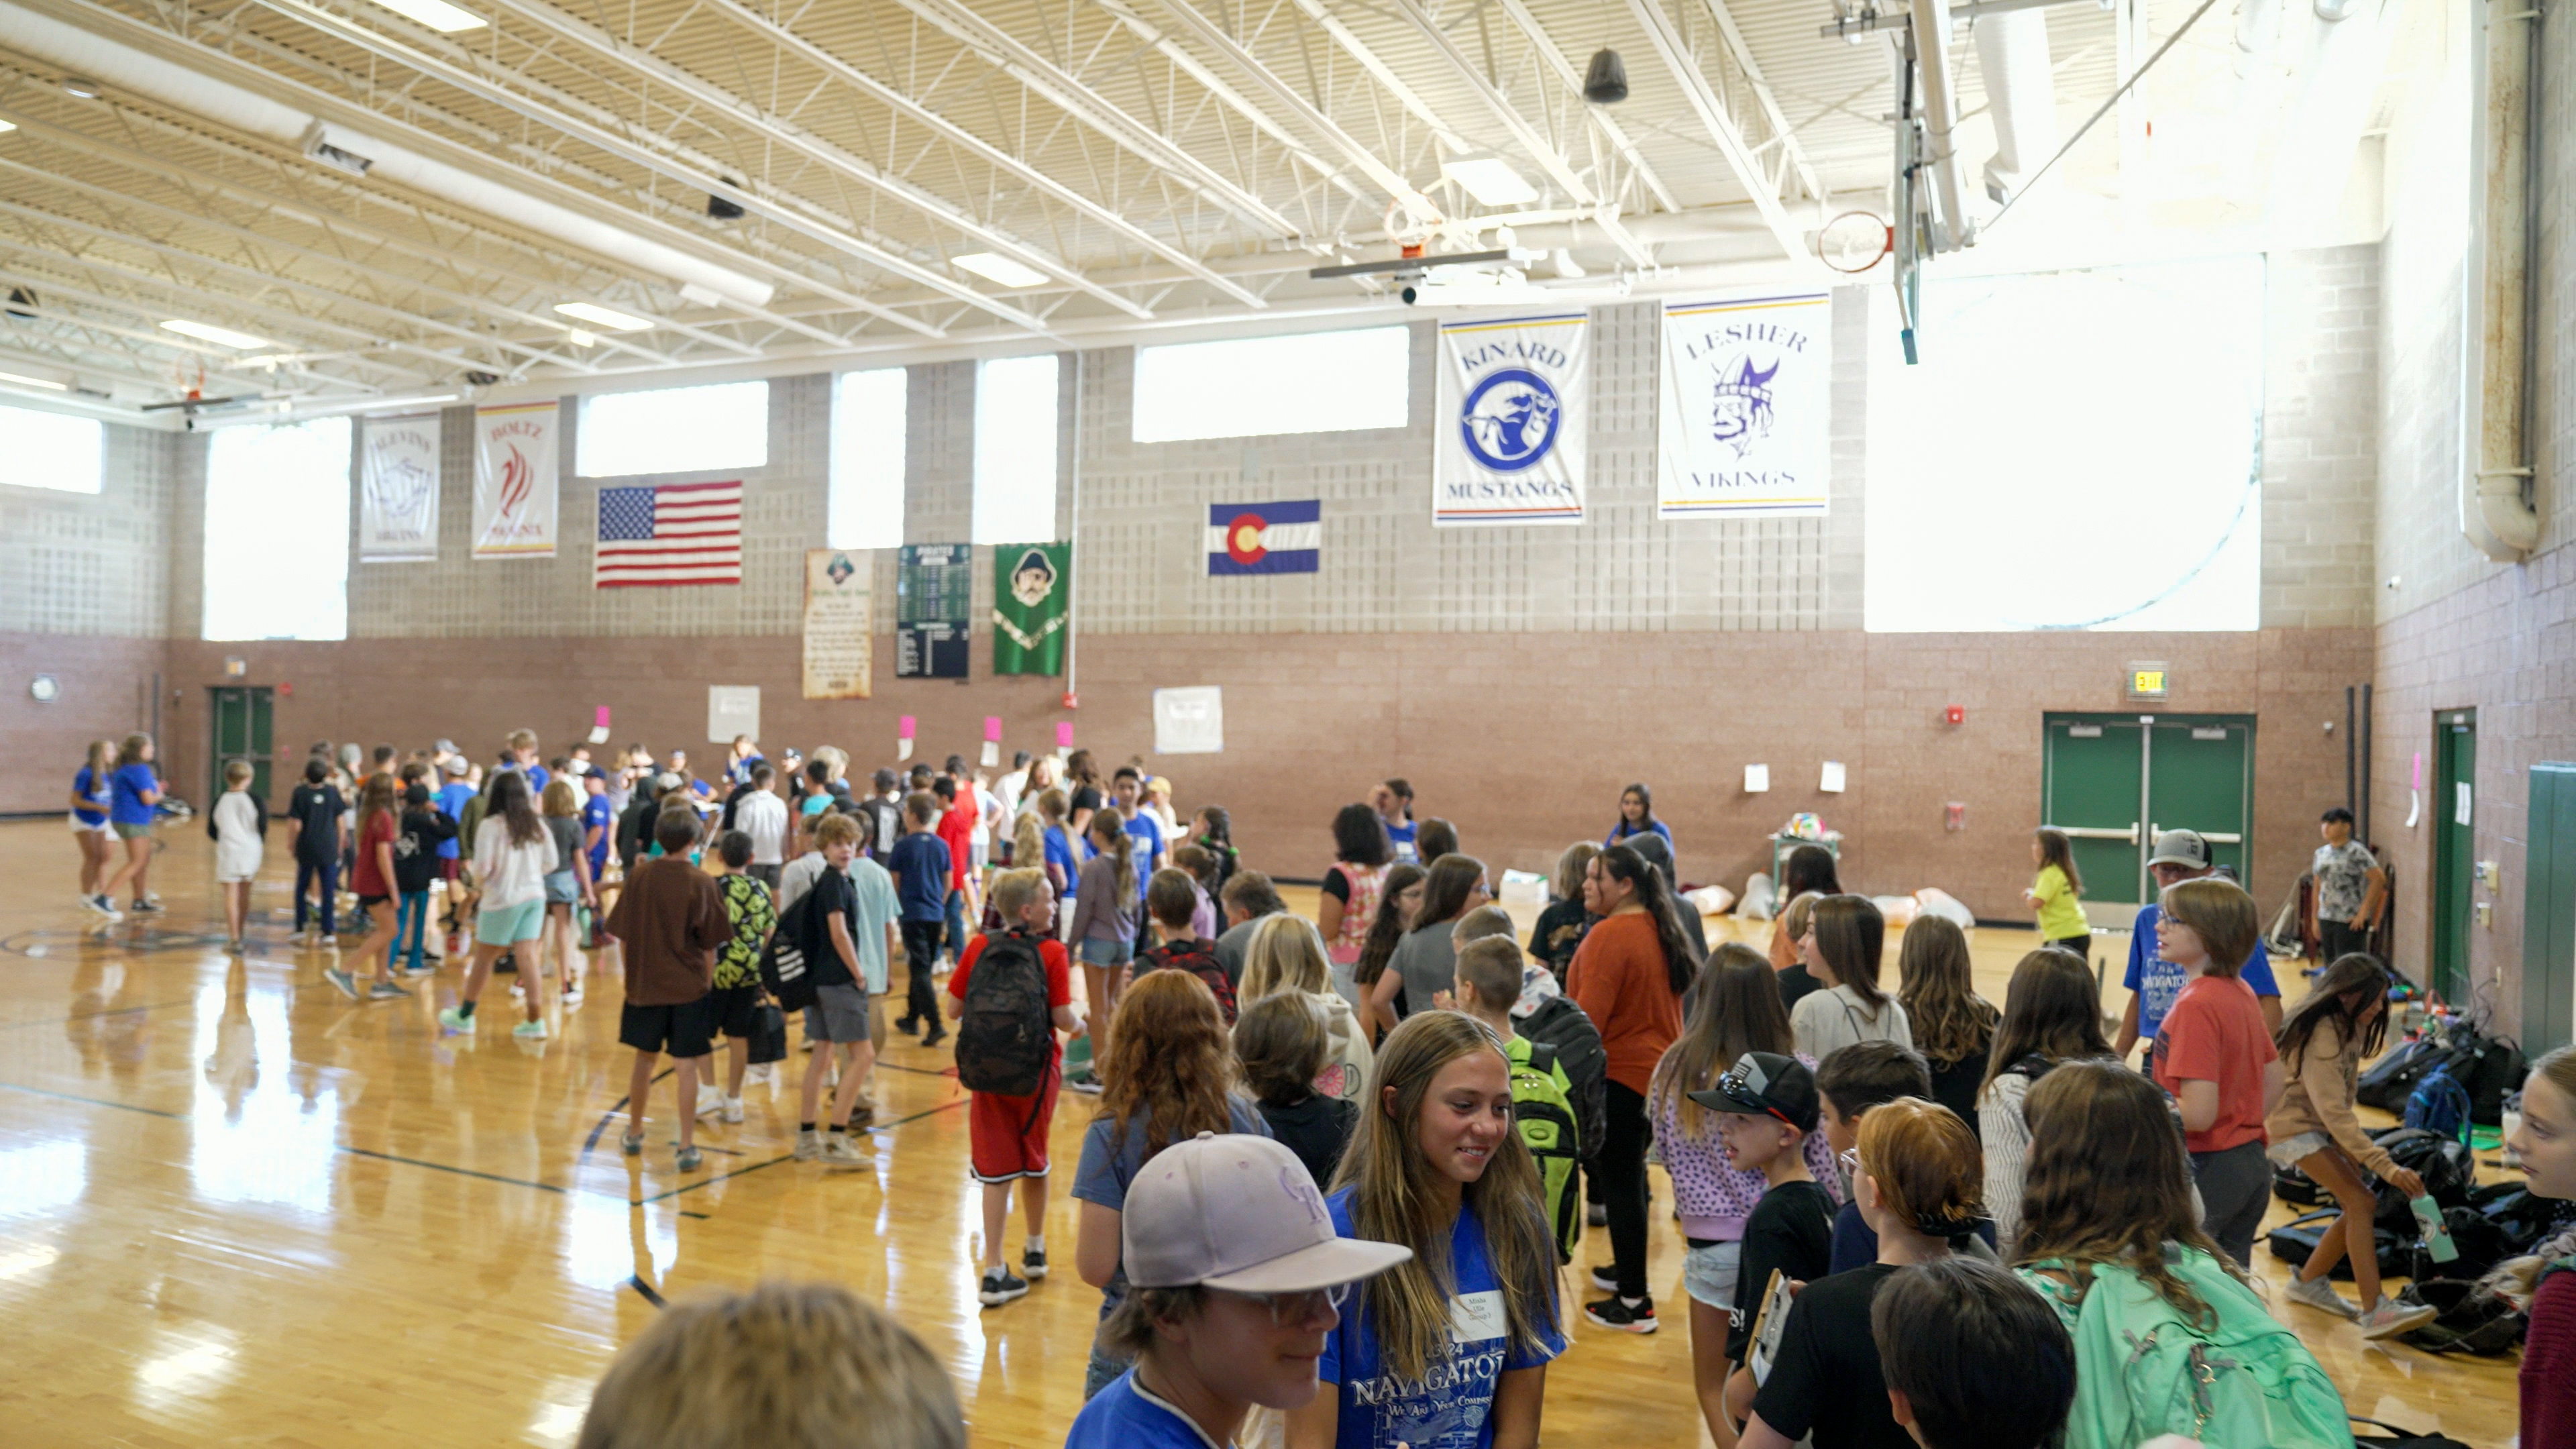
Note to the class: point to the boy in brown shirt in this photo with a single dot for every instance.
(668, 923)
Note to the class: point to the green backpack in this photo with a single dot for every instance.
(2143, 1369)
(1543, 1108)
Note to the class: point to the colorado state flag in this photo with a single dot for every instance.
(1265, 538)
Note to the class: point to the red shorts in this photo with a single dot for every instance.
(1007, 1136)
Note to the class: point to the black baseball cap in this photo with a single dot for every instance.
(1764, 1084)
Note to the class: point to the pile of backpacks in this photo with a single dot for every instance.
(2445, 1080)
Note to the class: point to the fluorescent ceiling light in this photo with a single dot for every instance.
(1490, 179)
(583, 339)
(436, 14)
(1000, 270)
(80, 89)
(22, 380)
(222, 336)
(613, 321)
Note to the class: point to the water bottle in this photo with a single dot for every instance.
(2437, 1234)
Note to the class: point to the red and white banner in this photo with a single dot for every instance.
(514, 480)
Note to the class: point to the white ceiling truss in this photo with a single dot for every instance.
(1152, 163)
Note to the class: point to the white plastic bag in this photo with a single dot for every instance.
(1524, 888)
(1757, 902)
(1898, 911)
(1933, 901)
(1712, 900)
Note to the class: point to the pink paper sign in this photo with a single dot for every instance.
(602, 720)
(903, 728)
(1064, 735)
(992, 726)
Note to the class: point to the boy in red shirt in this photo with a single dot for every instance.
(956, 829)
(1007, 1135)
(2215, 1057)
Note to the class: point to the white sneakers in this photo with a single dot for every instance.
(733, 1109)
(2319, 1294)
(2392, 1317)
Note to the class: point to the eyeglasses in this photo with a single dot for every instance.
(1288, 1308)
(1849, 1161)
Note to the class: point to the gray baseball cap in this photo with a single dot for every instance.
(2181, 847)
(1238, 1213)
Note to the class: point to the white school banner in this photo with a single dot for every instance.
(398, 489)
(514, 480)
(1747, 395)
(1509, 443)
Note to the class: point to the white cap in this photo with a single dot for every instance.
(1238, 1213)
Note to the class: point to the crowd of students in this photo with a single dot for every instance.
(1337, 1168)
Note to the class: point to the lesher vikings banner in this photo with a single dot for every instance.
(514, 480)
(1032, 595)
(398, 489)
(1747, 395)
(1510, 431)
(1265, 538)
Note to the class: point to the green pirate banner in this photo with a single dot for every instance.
(1032, 598)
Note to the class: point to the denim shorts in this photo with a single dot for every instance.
(563, 888)
(1708, 1274)
(2287, 1153)
(1096, 952)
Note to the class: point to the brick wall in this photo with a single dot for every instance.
(93, 565)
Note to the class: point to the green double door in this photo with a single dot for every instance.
(241, 732)
(2549, 910)
(2112, 782)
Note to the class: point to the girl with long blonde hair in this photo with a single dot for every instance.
(1286, 954)
(1462, 1334)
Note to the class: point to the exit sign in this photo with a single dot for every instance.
(2148, 681)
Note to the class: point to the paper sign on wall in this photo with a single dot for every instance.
(1747, 396)
(840, 624)
(398, 490)
(1189, 721)
(515, 479)
(1832, 781)
(1757, 779)
(2461, 804)
(732, 709)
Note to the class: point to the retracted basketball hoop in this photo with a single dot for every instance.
(1855, 242)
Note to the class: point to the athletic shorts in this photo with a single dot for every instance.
(133, 832)
(1007, 1136)
(369, 903)
(79, 825)
(683, 1031)
(449, 870)
(730, 1009)
(839, 1014)
(509, 925)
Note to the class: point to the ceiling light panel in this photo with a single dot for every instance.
(20, 379)
(1490, 179)
(1000, 270)
(436, 14)
(601, 316)
(220, 336)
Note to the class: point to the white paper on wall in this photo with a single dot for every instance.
(1757, 779)
(732, 709)
(1189, 721)
(2462, 806)
(1832, 781)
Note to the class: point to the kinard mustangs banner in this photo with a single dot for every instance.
(1746, 398)
(1509, 445)
(398, 489)
(514, 480)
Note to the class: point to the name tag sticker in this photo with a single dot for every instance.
(1476, 1317)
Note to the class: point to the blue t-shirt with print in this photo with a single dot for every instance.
(2158, 981)
(1059, 853)
(1400, 834)
(452, 799)
(96, 792)
(1123, 1416)
(919, 864)
(1454, 1408)
(1149, 843)
(1111, 1159)
(128, 787)
(595, 814)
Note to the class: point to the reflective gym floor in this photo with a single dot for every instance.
(236, 1208)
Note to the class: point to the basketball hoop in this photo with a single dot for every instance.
(1410, 232)
(1854, 242)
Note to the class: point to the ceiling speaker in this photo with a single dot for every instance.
(1605, 81)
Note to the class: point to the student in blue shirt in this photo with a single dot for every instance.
(134, 794)
(90, 797)
(1393, 800)
(920, 867)
(1235, 1278)
(2154, 983)
(1637, 817)
(1430, 1359)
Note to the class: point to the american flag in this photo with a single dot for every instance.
(671, 533)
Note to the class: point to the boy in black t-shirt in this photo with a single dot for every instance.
(424, 828)
(1768, 1106)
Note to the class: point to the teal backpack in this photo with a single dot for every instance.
(1543, 1110)
(2143, 1369)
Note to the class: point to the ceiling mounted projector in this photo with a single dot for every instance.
(1605, 81)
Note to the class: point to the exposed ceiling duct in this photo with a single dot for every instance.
(1940, 121)
(121, 67)
(2021, 94)
(2499, 504)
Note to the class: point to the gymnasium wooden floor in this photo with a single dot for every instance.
(238, 1209)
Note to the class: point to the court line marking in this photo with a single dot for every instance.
(873, 1128)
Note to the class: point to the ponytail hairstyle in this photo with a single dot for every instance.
(375, 797)
(1388, 928)
(2354, 974)
(1681, 953)
(1926, 1165)
(1851, 935)
(2056, 849)
(510, 801)
(1219, 832)
(1737, 1010)
(1951, 1021)
(101, 762)
(1052, 806)
(1109, 832)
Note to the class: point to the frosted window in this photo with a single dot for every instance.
(1014, 450)
(2078, 450)
(866, 491)
(277, 532)
(1319, 382)
(674, 430)
(51, 450)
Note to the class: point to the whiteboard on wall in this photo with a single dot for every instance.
(732, 709)
(1189, 721)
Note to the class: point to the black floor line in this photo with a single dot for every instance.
(873, 1127)
(611, 1115)
(636, 1282)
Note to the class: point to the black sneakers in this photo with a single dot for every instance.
(1614, 1312)
(999, 1287)
(1033, 1263)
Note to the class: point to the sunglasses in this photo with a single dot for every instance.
(1739, 1083)
(1288, 1308)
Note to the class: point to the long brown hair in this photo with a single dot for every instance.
(2109, 1181)
(1445, 888)
(1109, 835)
(101, 762)
(2052, 1010)
(1170, 1062)
(1951, 1022)
(2330, 1000)
(1736, 1010)
(1395, 1198)
(2055, 848)
(375, 797)
(131, 751)
(510, 801)
(1388, 928)
(1852, 937)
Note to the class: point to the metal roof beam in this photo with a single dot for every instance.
(1723, 127)
(149, 309)
(1235, 100)
(1558, 61)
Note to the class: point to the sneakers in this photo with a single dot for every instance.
(733, 1109)
(387, 991)
(237, 947)
(809, 1146)
(937, 1035)
(691, 1158)
(146, 905)
(341, 981)
(327, 941)
(1083, 1081)
(531, 1030)
(2318, 1293)
(2392, 1317)
(711, 1104)
(423, 969)
(507, 965)
(105, 907)
(1606, 1279)
(999, 1287)
(908, 1025)
(840, 1151)
(572, 998)
(631, 1143)
(1614, 1312)
(1033, 1264)
(455, 1020)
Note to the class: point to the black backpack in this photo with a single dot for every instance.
(1005, 1040)
(2394, 1077)
(783, 972)
(1560, 1024)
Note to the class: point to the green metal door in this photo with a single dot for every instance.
(2455, 770)
(2549, 911)
(241, 720)
(2091, 778)
(2201, 777)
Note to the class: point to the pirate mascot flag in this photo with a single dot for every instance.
(1031, 593)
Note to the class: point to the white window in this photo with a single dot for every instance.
(1014, 450)
(52, 450)
(674, 430)
(864, 507)
(1318, 382)
(277, 532)
(2077, 450)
